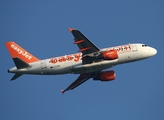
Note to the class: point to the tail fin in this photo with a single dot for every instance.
(18, 52)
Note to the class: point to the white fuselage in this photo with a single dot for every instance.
(73, 63)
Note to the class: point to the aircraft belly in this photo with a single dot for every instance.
(59, 68)
(93, 67)
(60, 71)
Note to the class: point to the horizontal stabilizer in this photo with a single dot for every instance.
(20, 63)
(16, 76)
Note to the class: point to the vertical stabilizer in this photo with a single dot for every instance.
(18, 52)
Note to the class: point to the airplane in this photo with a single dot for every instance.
(89, 62)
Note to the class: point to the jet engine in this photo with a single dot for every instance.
(109, 55)
(105, 76)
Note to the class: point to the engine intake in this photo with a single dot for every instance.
(105, 76)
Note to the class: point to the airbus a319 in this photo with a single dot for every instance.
(90, 62)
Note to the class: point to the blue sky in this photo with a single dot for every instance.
(41, 27)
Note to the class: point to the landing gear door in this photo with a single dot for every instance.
(134, 47)
(43, 64)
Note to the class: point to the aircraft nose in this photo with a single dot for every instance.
(153, 51)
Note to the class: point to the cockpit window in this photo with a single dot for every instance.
(144, 45)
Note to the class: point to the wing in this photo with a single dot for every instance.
(89, 51)
(81, 79)
(85, 45)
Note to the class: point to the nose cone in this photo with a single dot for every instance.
(153, 51)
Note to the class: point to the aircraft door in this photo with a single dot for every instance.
(43, 64)
(134, 47)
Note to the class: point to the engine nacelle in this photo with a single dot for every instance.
(105, 76)
(109, 55)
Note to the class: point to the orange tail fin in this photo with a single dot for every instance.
(18, 52)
